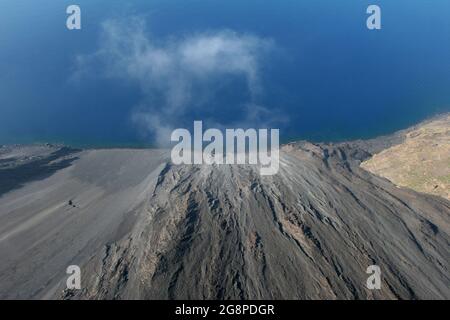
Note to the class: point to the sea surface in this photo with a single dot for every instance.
(327, 75)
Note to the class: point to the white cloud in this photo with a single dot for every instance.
(179, 75)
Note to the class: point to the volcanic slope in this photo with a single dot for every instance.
(309, 232)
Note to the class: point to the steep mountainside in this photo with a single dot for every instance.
(142, 228)
(309, 232)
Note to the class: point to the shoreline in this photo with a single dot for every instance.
(283, 141)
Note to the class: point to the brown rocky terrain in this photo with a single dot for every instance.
(421, 162)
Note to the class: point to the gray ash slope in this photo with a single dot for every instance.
(21, 164)
(309, 232)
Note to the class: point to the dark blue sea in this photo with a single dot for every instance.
(311, 68)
